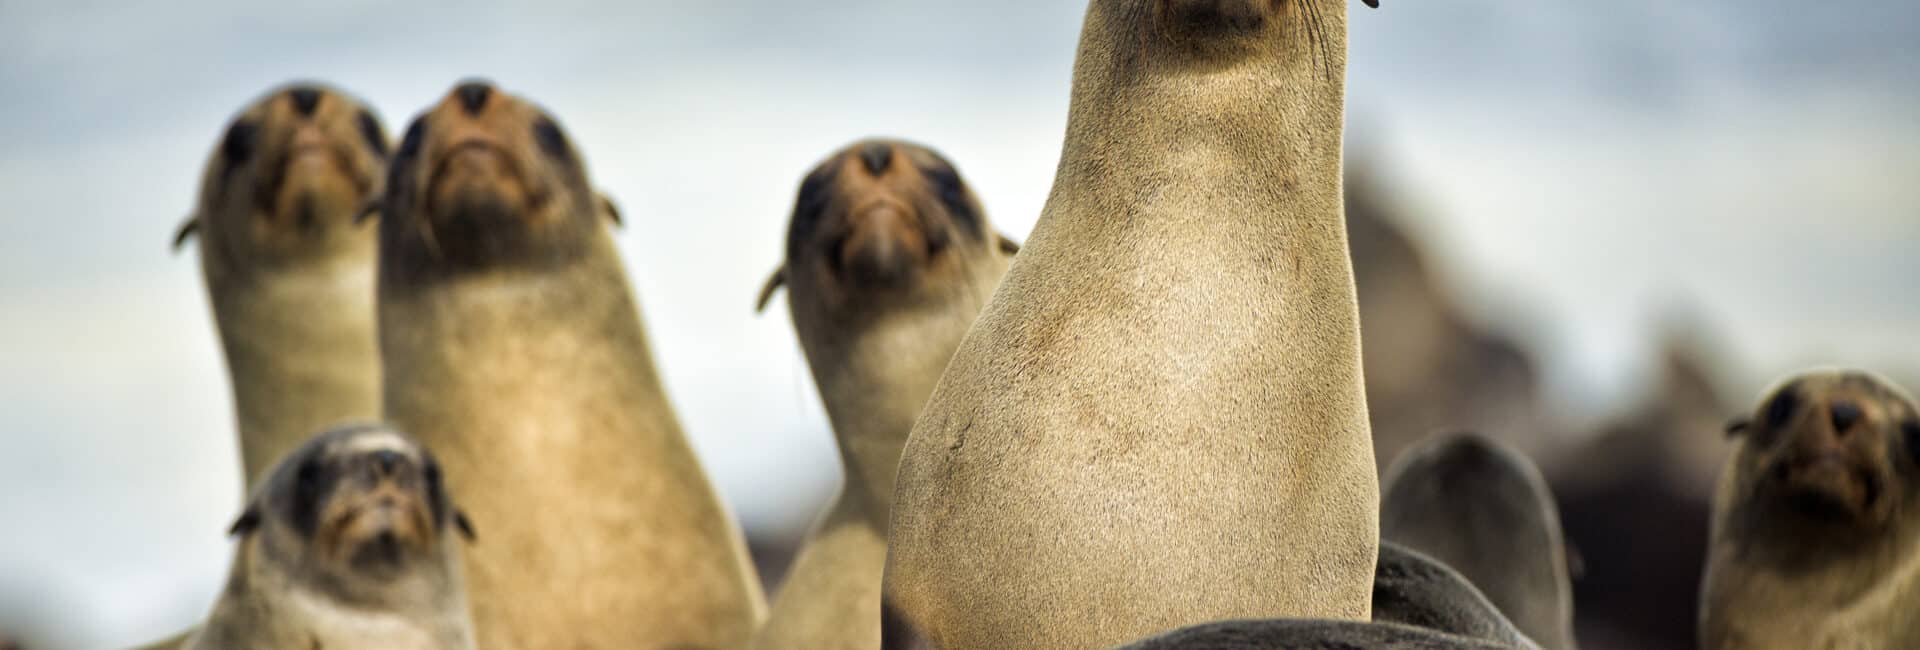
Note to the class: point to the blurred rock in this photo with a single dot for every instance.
(1428, 366)
(1635, 500)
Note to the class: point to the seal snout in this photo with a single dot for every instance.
(882, 247)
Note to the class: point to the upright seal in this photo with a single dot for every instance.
(1816, 524)
(1483, 509)
(288, 268)
(513, 347)
(889, 259)
(1158, 420)
(346, 544)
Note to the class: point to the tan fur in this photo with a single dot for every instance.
(876, 353)
(1779, 576)
(290, 275)
(290, 590)
(1482, 508)
(1158, 420)
(514, 347)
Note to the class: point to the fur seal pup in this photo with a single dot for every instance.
(346, 544)
(1176, 353)
(1410, 588)
(513, 346)
(1483, 509)
(889, 259)
(287, 269)
(1815, 540)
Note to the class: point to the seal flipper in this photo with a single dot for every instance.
(610, 211)
(187, 229)
(774, 282)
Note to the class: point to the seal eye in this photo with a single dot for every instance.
(1911, 432)
(436, 491)
(815, 193)
(551, 140)
(1782, 408)
(370, 130)
(237, 146)
(306, 496)
(952, 192)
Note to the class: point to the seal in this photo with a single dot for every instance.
(288, 270)
(1483, 509)
(1175, 354)
(346, 544)
(513, 346)
(1815, 540)
(1410, 588)
(889, 258)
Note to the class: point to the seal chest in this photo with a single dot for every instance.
(1158, 420)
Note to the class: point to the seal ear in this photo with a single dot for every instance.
(187, 229)
(1372, 3)
(1008, 245)
(465, 525)
(774, 282)
(373, 206)
(1738, 426)
(612, 212)
(247, 522)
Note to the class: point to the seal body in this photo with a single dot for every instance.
(1483, 509)
(1174, 355)
(513, 346)
(1412, 589)
(288, 268)
(889, 260)
(348, 543)
(1814, 526)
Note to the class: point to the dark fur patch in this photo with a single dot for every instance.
(372, 132)
(238, 145)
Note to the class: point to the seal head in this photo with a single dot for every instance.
(287, 182)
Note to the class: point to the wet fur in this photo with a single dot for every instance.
(284, 592)
(1174, 357)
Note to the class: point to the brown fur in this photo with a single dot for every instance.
(289, 272)
(1815, 525)
(514, 347)
(340, 584)
(876, 346)
(1483, 509)
(1174, 356)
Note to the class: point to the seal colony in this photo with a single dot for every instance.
(1175, 354)
(513, 346)
(889, 259)
(348, 543)
(288, 271)
(1816, 524)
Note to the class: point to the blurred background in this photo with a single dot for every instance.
(1594, 231)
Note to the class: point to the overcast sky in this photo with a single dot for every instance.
(1583, 171)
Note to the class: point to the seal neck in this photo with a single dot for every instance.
(875, 377)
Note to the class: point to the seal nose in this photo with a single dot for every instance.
(305, 99)
(877, 156)
(386, 461)
(1844, 416)
(473, 96)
